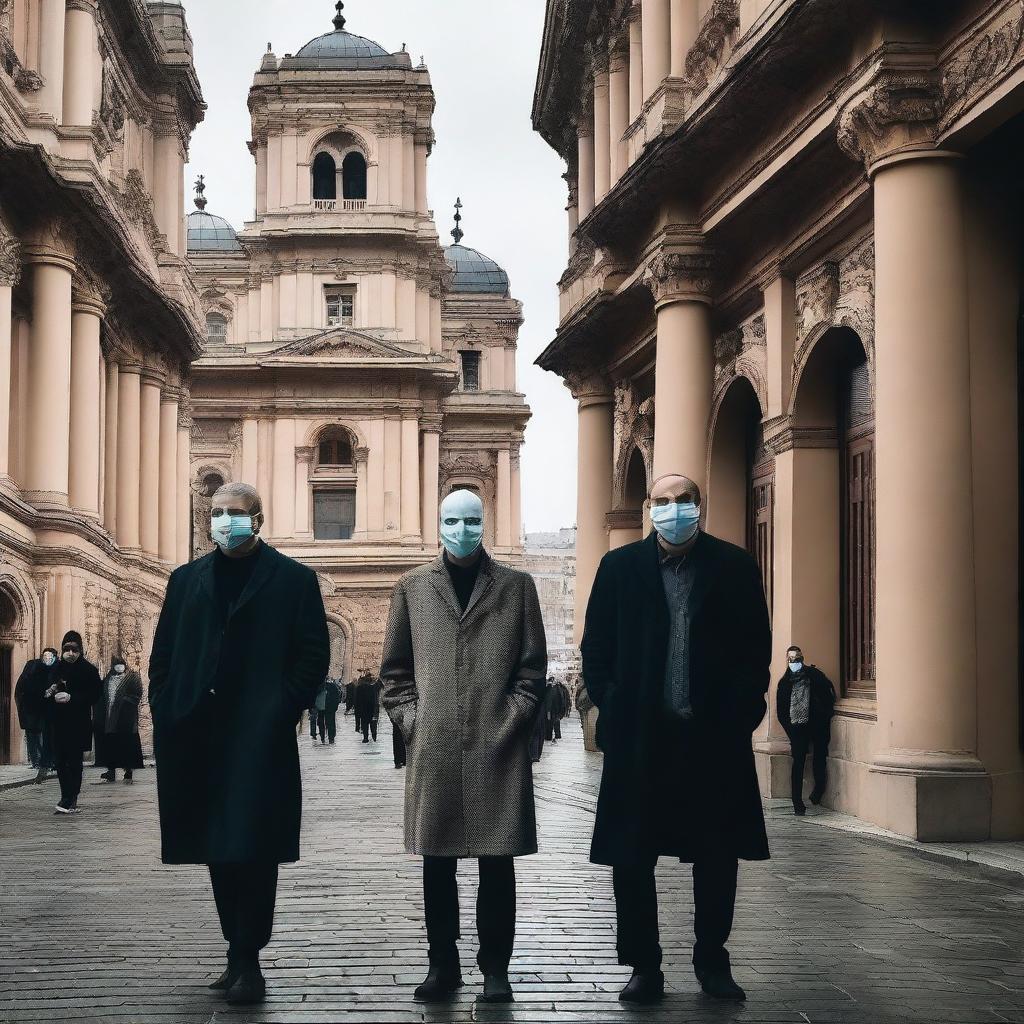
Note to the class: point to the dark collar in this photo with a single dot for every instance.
(443, 583)
(267, 562)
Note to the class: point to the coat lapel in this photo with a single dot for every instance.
(649, 570)
(443, 585)
(261, 576)
(484, 580)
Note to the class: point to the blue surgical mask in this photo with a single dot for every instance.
(796, 667)
(676, 522)
(462, 538)
(230, 532)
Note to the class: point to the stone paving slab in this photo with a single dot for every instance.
(838, 927)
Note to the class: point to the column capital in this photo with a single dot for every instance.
(129, 364)
(53, 243)
(10, 259)
(89, 6)
(154, 374)
(361, 456)
(431, 424)
(589, 388)
(171, 395)
(896, 113)
(681, 273)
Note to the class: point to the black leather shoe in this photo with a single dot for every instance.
(249, 987)
(441, 983)
(799, 810)
(496, 989)
(644, 987)
(225, 981)
(720, 985)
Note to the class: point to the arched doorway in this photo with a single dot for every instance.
(9, 620)
(741, 495)
(626, 522)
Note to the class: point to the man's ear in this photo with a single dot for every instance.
(257, 523)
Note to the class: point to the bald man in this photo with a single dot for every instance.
(239, 653)
(464, 666)
(676, 655)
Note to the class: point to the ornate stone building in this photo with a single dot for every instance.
(794, 275)
(550, 558)
(355, 371)
(99, 321)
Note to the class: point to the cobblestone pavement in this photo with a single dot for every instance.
(836, 928)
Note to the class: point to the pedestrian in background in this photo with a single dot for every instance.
(368, 706)
(350, 697)
(555, 709)
(116, 722)
(318, 714)
(72, 690)
(28, 698)
(240, 650)
(331, 704)
(805, 704)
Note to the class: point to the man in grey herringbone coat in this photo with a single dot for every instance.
(464, 665)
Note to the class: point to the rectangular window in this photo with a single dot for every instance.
(760, 528)
(858, 621)
(334, 514)
(341, 309)
(470, 371)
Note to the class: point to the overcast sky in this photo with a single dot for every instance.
(483, 63)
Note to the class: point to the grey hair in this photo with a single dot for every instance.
(247, 491)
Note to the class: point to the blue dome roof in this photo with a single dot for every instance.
(210, 233)
(475, 272)
(339, 45)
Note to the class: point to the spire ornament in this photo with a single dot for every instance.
(458, 234)
(201, 192)
(339, 18)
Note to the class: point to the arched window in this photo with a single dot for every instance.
(334, 448)
(212, 483)
(216, 328)
(353, 176)
(325, 177)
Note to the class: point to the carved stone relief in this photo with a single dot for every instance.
(707, 54)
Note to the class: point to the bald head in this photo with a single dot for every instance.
(674, 487)
(238, 500)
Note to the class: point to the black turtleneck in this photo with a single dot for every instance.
(463, 578)
(231, 575)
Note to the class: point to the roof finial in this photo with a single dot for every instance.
(201, 192)
(458, 233)
(339, 18)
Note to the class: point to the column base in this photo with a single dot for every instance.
(774, 768)
(932, 796)
(44, 501)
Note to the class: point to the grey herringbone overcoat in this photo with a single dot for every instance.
(464, 689)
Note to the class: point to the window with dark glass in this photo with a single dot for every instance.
(761, 511)
(353, 176)
(335, 451)
(470, 371)
(325, 177)
(334, 514)
(216, 328)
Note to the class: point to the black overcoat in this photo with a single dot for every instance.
(227, 762)
(70, 724)
(670, 789)
(28, 695)
(823, 701)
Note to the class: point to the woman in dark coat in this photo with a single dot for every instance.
(28, 698)
(116, 721)
(74, 685)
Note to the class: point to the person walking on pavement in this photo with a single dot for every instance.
(368, 706)
(554, 710)
(28, 698)
(805, 704)
(464, 665)
(318, 714)
(116, 722)
(331, 705)
(350, 697)
(240, 650)
(676, 655)
(72, 690)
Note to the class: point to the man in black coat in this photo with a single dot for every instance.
(676, 656)
(805, 703)
(28, 698)
(239, 653)
(368, 706)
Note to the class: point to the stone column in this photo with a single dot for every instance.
(618, 107)
(933, 786)
(503, 500)
(149, 478)
(362, 459)
(85, 442)
(10, 276)
(129, 453)
(168, 541)
(283, 486)
(594, 497)
(303, 461)
(110, 449)
(80, 61)
(656, 42)
(680, 282)
(49, 400)
(517, 501)
(602, 130)
(430, 503)
(421, 173)
(411, 524)
(50, 97)
(585, 171)
(636, 66)
(184, 486)
(624, 527)
(685, 23)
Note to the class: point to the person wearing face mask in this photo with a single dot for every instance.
(72, 690)
(240, 651)
(464, 665)
(805, 704)
(116, 722)
(28, 698)
(368, 706)
(676, 655)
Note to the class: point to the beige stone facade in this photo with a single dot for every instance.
(794, 275)
(99, 321)
(355, 371)
(550, 558)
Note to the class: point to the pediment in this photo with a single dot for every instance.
(343, 343)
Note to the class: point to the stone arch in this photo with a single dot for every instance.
(18, 620)
(204, 483)
(317, 427)
(339, 141)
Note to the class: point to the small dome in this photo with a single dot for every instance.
(475, 272)
(339, 45)
(210, 233)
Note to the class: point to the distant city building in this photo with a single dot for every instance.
(550, 558)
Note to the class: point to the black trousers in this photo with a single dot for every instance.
(802, 738)
(359, 722)
(370, 728)
(495, 911)
(245, 895)
(636, 911)
(69, 775)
